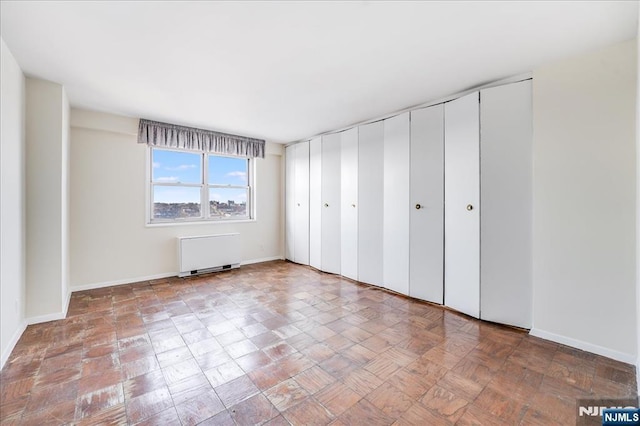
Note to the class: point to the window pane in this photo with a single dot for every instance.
(227, 171)
(228, 202)
(172, 202)
(176, 167)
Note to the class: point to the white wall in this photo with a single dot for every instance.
(110, 241)
(638, 205)
(584, 201)
(47, 111)
(12, 202)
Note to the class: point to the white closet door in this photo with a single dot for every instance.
(290, 180)
(349, 204)
(301, 239)
(315, 202)
(462, 205)
(370, 199)
(330, 232)
(426, 279)
(506, 189)
(395, 261)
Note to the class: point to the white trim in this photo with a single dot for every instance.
(12, 343)
(123, 281)
(263, 259)
(51, 317)
(204, 186)
(65, 308)
(46, 318)
(198, 222)
(585, 346)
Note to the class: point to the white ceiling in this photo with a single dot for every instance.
(290, 70)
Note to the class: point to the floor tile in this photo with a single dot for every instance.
(237, 390)
(252, 411)
(279, 343)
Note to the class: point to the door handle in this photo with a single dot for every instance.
(418, 206)
(326, 204)
(469, 207)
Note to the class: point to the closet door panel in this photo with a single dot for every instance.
(462, 205)
(349, 204)
(315, 202)
(506, 189)
(395, 262)
(301, 239)
(330, 231)
(426, 279)
(290, 157)
(370, 199)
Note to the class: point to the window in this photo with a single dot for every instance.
(195, 186)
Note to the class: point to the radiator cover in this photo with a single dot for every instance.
(208, 253)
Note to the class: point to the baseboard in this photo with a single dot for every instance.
(124, 281)
(264, 259)
(51, 317)
(585, 346)
(46, 318)
(12, 343)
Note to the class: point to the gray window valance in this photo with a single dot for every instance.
(166, 135)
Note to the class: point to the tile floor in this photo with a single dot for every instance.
(278, 343)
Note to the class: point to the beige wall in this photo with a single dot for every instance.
(12, 202)
(47, 111)
(584, 201)
(110, 241)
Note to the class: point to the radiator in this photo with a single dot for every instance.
(208, 253)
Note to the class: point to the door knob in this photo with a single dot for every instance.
(353, 205)
(469, 207)
(298, 204)
(326, 204)
(418, 206)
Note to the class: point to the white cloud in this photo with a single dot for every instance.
(181, 167)
(168, 179)
(156, 165)
(240, 175)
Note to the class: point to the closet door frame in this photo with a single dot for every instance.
(301, 238)
(507, 194)
(290, 202)
(426, 244)
(315, 203)
(330, 226)
(462, 204)
(395, 262)
(371, 202)
(349, 204)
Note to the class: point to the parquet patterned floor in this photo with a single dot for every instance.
(278, 343)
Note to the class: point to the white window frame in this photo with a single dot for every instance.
(205, 208)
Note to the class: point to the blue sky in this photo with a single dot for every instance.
(185, 167)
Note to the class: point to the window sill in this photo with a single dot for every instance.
(198, 222)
